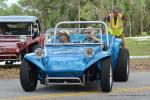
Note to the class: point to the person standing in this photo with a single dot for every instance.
(116, 22)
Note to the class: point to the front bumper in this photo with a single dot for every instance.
(9, 57)
(65, 80)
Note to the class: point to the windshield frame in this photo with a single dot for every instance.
(85, 22)
(9, 23)
(71, 43)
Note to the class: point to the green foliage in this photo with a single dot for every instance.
(51, 12)
(144, 34)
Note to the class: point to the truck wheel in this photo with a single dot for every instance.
(106, 75)
(28, 76)
(121, 73)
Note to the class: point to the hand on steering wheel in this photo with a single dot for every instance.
(85, 40)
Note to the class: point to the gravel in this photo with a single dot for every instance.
(9, 73)
(140, 65)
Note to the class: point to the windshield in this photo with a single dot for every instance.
(87, 35)
(15, 28)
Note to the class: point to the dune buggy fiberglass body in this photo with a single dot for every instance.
(77, 62)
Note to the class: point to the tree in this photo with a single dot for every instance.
(51, 12)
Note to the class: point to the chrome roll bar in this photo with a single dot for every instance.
(83, 22)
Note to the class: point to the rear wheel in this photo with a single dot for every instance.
(28, 76)
(106, 75)
(121, 73)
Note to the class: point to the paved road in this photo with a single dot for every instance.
(138, 87)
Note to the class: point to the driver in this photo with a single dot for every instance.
(64, 36)
(91, 37)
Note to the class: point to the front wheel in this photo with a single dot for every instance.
(28, 76)
(106, 75)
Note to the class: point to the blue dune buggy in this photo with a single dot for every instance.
(77, 62)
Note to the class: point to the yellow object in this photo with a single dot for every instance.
(115, 29)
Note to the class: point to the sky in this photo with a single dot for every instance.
(9, 2)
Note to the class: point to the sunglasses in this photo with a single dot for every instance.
(88, 32)
(61, 35)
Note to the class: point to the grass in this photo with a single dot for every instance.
(138, 47)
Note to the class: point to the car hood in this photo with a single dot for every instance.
(9, 44)
(11, 38)
(8, 47)
(5, 38)
(67, 59)
(73, 63)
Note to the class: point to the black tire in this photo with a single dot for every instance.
(28, 76)
(106, 75)
(121, 73)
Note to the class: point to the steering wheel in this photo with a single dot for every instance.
(91, 41)
(85, 40)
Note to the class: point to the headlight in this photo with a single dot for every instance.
(39, 52)
(89, 52)
(22, 38)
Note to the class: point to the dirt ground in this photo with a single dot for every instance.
(140, 65)
(8, 72)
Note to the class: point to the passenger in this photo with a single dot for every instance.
(64, 36)
(91, 37)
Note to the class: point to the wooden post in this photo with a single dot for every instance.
(141, 17)
(78, 4)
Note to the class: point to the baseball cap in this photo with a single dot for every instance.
(64, 32)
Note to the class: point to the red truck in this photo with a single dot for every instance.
(19, 35)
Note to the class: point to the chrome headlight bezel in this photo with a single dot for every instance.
(89, 52)
(39, 53)
(22, 38)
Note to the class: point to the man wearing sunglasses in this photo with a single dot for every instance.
(91, 36)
